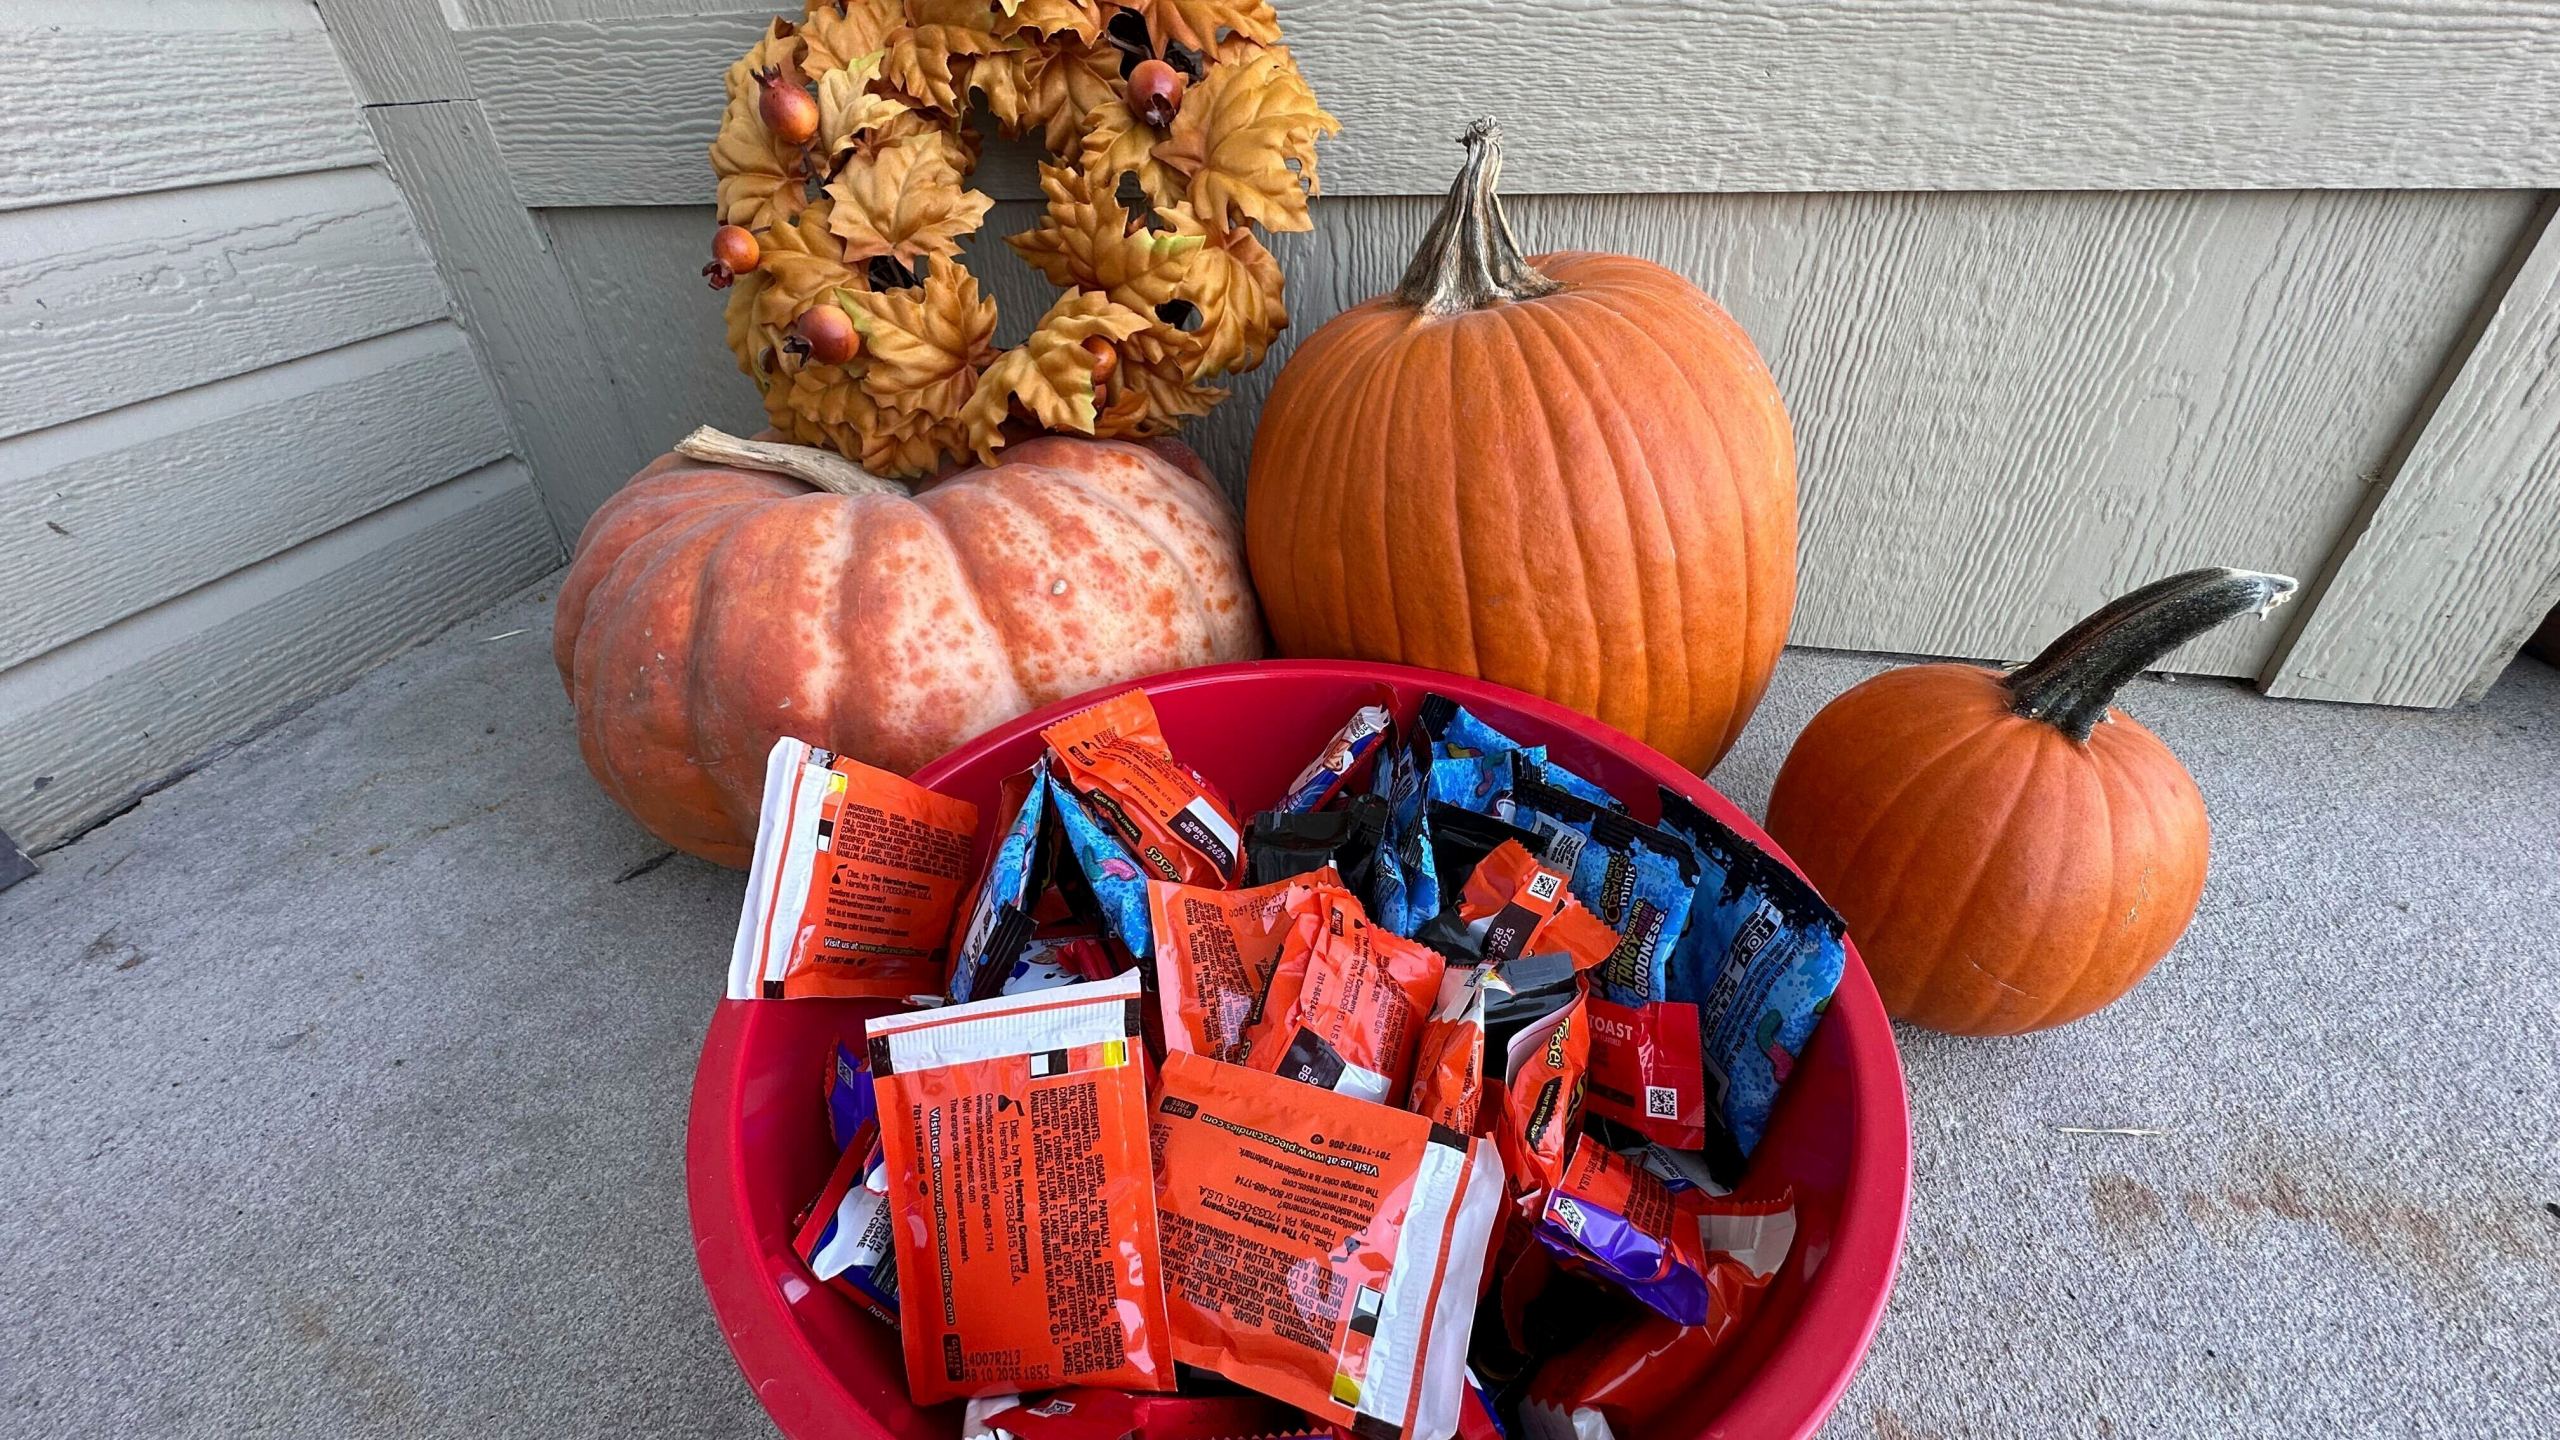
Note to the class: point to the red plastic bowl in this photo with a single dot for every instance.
(757, 1151)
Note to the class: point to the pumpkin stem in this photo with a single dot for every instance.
(2071, 685)
(823, 468)
(1470, 261)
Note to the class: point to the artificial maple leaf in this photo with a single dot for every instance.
(802, 262)
(1080, 18)
(920, 54)
(1118, 143)
(923, 346)
(759, 184)
(749, 339)
(1087, 243)
(1152, 395)
(907, 203)
(1051, 373)
(1236, 284)
(1051, 85)
(1234, 136)
(847, 110)
(839, 32)
(1199, 23)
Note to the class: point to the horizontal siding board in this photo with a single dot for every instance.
(107, 302)
(2008, 407)
(93, 722)
(115, 99)
(2458, 559)
(112, 515)
(611, 104)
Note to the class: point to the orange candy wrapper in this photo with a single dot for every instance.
(1519, 906)
(1215, 951)
(1015, 1135)
(1115, 758)
(855, 878)
(1542, 1093)
(1448, 1063)
(1346, 1004)
(1322, 1250)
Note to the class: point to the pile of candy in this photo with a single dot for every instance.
(1409, 1108)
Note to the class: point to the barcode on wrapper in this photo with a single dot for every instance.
(1661, 1102)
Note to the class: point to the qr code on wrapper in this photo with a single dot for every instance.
(1661, 1102)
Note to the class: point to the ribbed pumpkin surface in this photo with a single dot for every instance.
(1589, 495)
(1997, 874)
(710, 611)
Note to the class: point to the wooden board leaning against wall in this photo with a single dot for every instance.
(2011, 402)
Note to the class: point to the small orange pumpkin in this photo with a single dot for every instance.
(1570, 474)
(739, 591)
(2010, 851)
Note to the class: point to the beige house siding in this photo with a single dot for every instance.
(245, 450)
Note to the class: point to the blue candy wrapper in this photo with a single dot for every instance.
(1475, 765)
(1762, 958)
(1119, 886)
(1405, 890)
(1000, 913)
(1639, 879)
(851, 1108)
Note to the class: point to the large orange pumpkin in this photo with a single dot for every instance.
(1570, 474)
(715, 605)
(2010, 851)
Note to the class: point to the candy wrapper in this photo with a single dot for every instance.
(855, 877)
(1513, 905)
(1761, 959)
(845, 1237)
(1687, 1255)
(1405, 894)
(1448, 1063)
(1048, 962)
(1115, 884)
(1321, 1250)
(1346, 1001)
(1015, 1136)
(999, 918)
(1625, 1382)
(853, 1112)
(1279, 845)
(1334, 766)
(1088, 1414)
(1113, 758)
(1215, 951)
(1473, 764)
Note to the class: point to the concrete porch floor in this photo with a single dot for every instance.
(345, 1081)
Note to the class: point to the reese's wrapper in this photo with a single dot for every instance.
(1331, 770)
(1346, 1001)
(1682, 1252)
(1113, 757)
(1015, 1136)
(1448, 1061)
(1545, 1064)
(1321, 1250)
(1215, 950)
(855, 877)
(1513, 904)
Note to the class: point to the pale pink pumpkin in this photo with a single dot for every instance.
(712, 608)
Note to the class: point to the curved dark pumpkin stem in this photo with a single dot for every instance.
(2071, 685)
(1469, 260)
